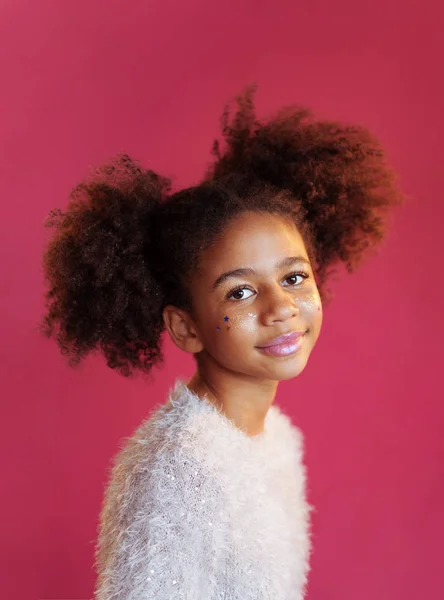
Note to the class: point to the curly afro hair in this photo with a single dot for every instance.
(125, 247)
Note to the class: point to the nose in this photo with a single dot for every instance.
(279, 305)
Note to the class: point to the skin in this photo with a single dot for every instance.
(232, 372)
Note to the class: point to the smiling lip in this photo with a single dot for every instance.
(288, 338)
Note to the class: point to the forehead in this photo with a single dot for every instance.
(252, 239)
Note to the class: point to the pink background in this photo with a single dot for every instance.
(83, 80)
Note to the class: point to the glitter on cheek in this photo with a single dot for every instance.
(244, 322)
(225, 319)
(250, 323)
(241, 321)
(310, 300)
(236, 320)
(310, 303)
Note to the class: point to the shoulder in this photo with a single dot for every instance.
(287, 432)
(153, 466)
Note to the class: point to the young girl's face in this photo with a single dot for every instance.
(269, 301)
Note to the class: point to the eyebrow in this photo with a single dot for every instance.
(245, 271)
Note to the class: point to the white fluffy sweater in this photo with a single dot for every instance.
(196, 509)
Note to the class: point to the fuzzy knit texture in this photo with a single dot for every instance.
(196, 509)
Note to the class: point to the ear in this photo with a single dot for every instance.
(182, 329)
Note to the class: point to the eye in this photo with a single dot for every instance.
(247, 287)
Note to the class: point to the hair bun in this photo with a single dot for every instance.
(101, 289)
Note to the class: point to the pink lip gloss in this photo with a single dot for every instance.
(284, 349)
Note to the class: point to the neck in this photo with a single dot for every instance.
(244, 402)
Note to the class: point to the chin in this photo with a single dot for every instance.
(287, 377)
(285, 370)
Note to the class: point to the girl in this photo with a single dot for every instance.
(207, 499)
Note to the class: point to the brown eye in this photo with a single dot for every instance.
(238, 289)
(298, 274)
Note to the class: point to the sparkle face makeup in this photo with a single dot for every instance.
(255, 285)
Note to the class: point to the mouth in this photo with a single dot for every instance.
(287, 338)
(292, 343)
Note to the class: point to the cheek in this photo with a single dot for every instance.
(239, 322)
(311, 306)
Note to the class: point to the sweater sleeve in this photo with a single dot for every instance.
(158, 530)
